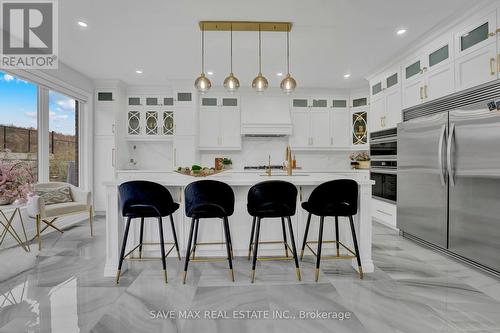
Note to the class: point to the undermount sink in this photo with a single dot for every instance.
(284, 175)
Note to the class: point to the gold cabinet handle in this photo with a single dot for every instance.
(492, 63)
(425, 92)
(498, 63)
(492, 34)
(497, 31)
(421, 94)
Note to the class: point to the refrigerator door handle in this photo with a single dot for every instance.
(448, 155)
(440, 155)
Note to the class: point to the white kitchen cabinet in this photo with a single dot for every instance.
(476, 67)
(392, 116)
(184, 151)
(220, 129)
(340, 127)
(476, 34)
(430, 75)
(104, 118)
(385, 105)
(476, 52)
(384, 212)
(209, 128)
(320, 129)
(311, 129)
(230, 128)
(185, 120)
(377, 114)
(301, 129)
(104, 168)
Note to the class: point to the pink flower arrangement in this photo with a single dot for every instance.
(16, 180)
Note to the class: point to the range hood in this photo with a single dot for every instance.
(265, 115)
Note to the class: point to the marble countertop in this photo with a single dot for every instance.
(235, 178)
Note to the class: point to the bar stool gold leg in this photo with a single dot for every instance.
(91, 221)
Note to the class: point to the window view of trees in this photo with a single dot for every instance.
(18, 120)
(19, 133)
(63, 138)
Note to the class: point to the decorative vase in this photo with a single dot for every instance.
(6, 201)
(364, 164)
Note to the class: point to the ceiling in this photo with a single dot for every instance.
(161, 37)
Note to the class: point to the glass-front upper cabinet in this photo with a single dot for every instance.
(377, 88)
(168, 123)
(134, 123)
(309, 102)
(413, 69)
(359, 128)
(151, 122)
(391, 80)
(477, 34)
(219, 102)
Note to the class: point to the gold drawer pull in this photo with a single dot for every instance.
(492, 70)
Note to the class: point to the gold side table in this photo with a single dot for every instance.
(8, 227)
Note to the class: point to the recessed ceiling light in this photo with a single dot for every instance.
(210, 73)
(346, 76)
(82, 24)
(401, 31)
(138, 71)
(279, 74)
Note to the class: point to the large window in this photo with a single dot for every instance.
(63, 138)
(18, 120)
(22, 115)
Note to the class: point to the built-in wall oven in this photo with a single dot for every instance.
(383, 151)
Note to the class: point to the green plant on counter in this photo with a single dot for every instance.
(196, 168)
(227, 161)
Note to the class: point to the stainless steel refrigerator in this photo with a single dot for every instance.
(449, 182)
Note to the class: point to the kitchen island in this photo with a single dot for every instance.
(210, 230)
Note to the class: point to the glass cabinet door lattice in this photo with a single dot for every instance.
(168, 123)
(359, 128)
(134, 121)
(151, 122)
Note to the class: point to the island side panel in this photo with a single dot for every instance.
(114, 232)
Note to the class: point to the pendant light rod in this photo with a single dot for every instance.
(231, 48)
(288, 52)
(260, 52)
(202, 50)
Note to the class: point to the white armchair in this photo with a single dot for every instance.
(48, 214)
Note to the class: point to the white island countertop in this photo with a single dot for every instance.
(243, 178)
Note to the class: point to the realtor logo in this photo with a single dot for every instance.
(29, 34)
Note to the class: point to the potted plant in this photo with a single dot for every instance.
(16, 180)
(362, 159)
(226, 163)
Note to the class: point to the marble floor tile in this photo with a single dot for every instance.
(413, 289)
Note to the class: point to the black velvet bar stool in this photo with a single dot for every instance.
(143, 199)
(208, 199)
(271, 199)
(338, 198)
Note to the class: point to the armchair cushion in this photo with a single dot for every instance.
(64, 209)
(81, 201)
(56, 195)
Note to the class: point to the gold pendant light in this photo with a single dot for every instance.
(260, 83)
(288, 84)
(202, 83)
(231, 83)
